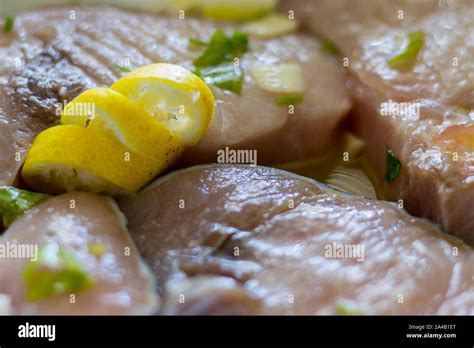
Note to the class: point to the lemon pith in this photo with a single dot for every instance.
(123, 119)
(185, 104)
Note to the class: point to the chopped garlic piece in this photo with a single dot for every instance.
(279, 78)
(271, 26)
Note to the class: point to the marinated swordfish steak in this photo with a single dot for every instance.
(52, 55)
(72, 254)
(242, 240)
(423, 112)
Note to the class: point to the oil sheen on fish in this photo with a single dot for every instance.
(431, 127)
(54, 54)
(243, 240)
(92, 230)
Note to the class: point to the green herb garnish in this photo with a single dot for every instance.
(225, 76)
(289, 100)
(343, 309)
(14, 202)
(222, 49)
(55, 272)
(215, 64)
(393, 166)
(97, 249)
(415, 41)
(329, 47)
(8, 26)
(197, 42)
(123, 68)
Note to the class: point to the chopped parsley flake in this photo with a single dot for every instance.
(8, 26)
(329, 47)
(415, 41)
(222, 49)
(226, 76)
(289, 100)
(14, 202)
(393, 166)
(55, 272)
(215, 65)
(343, 309)
(123, 68)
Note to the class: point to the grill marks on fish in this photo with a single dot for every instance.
(38, 90)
